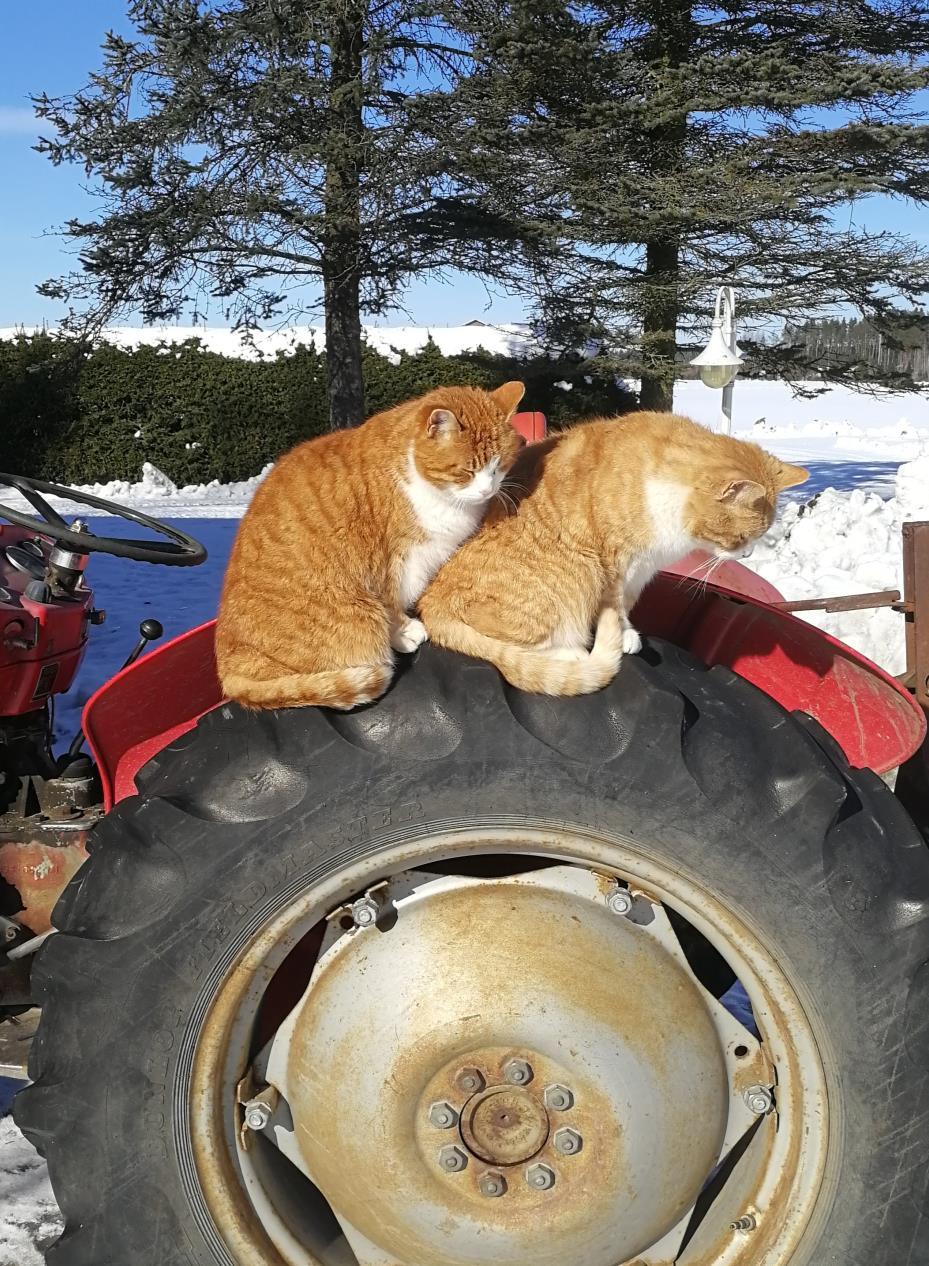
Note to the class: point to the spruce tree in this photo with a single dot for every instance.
(660, 148)
(254, 151)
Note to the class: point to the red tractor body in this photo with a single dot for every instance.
(872, 717)
(41, 644)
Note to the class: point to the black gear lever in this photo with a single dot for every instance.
(149, 631)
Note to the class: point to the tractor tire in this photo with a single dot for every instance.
(710, 778)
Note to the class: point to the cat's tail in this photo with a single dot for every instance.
(543, 672)
(340, 688)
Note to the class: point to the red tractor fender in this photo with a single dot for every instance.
(874, 719)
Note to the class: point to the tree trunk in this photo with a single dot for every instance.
(343, 347)
(670, 42)
(342, 230)
(659, 327)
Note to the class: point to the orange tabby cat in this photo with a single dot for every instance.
(598, 510)
(343, 536)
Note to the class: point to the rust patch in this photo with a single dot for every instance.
(477, 968)
(40, 869)
(756, 1070)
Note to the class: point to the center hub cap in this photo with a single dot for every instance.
(505, 1125)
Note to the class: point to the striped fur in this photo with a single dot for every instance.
(591, 515)
(342, 537)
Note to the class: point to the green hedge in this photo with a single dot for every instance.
(78, 415)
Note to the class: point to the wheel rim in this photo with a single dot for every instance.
(506, 1069)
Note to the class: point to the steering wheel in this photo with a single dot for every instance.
(179, 550)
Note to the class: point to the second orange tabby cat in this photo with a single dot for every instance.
(598, 510)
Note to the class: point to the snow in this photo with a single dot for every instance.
(846, 543)
(389, 340)
(30, 1220)
(155, 494)
(839, 533)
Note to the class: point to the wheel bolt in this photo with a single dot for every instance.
(541, 1177)
(453, 1159)
(492, 1185)
(620, 901)
(364, 912)
(443, 1116)
(759, 1099)
(517, 1072)
(567, 1141)
(257, 1114)
(558, 1097)
(470, 1080)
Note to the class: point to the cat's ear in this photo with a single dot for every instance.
(742, 492)
(442, 424)
(509, 395)
(787, 476)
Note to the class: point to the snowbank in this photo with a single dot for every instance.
(157, 495)
(843, 543)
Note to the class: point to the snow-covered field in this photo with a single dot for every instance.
(869, 464)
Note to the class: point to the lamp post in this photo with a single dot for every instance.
(720, 360)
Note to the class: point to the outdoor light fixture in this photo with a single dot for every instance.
(720, 360)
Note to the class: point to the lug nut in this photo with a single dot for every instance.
(364, 912)
(452, 1158)
(492, 1185)
(517, 1072)
(470, 1080)
(257, 1114)
(620, 901)
(540, 1177)
(759, 1099)
(567, 1141)
(558, 1097)
(443, 1116)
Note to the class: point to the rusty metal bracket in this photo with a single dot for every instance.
(846, 602)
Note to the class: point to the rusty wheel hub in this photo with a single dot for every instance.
(505, 1126)
(518, 1069)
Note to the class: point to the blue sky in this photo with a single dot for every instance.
(51, 45)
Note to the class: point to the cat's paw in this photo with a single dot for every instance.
(408, 636)
(632, 642)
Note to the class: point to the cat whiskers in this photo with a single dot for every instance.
(505, 495)
(506, 499)
(698, 580)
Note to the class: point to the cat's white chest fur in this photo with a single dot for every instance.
(446, 522)
(665, 502)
